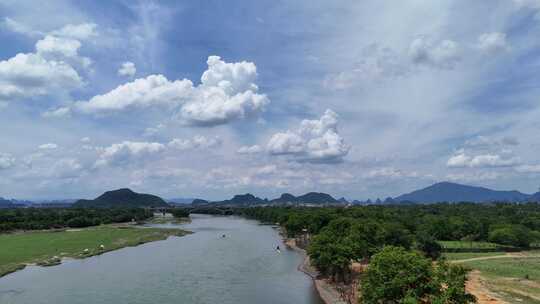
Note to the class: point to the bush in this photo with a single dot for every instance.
(513, 235)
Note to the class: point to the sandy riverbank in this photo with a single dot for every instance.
(328, 293)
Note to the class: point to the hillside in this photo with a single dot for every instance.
(308, 198)
(452, 192)
(124, 198)
(242, 200)
(535, 197)
(4, 203)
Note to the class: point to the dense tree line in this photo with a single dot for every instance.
(49, 218)
(504, 223)
(401, 241)
(179, 212)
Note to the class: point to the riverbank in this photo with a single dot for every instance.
(327, 291)
(48, 248)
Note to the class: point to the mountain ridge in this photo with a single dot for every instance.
(454, 192)
(123, 197)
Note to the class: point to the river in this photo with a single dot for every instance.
(242, 268)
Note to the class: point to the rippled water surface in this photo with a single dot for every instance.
(242, 268)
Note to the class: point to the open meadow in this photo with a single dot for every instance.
(49, 247)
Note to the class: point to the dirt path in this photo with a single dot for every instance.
(476, 286)
(502, 256)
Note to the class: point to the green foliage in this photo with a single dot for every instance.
(179, 212)
(38, 219)
(428, 245)
(513, 235)
(396, 275)
(451, 280)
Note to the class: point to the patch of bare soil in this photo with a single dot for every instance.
(477, 287)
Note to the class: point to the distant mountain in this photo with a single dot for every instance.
(285, 198)
(242, 200)
(316, 198)
(124, 198)
(308, 198)
(535, 197)
(452, 192)
(343, 200)
(4, 203)
(199, 202)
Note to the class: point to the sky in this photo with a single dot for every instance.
(359, 99)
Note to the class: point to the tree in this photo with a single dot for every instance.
(396, 275)
(331, 251)
(331, 257)
(428, 245)
(513, 235)
(453, 279)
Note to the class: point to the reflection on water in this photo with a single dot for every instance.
(204, 267)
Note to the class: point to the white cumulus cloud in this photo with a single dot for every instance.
(50, 69)
(315, 141)
(128, 151)
(141, 93)
(227, 92)
(127, 69)
(27, 75)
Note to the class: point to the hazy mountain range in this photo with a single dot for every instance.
(439, 192)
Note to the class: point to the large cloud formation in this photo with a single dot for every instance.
(227, 92)
(128, 152)
(315, 141)
(51, 68)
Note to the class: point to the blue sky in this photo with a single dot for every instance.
(361, 99)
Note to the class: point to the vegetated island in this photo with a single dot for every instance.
(44, 237)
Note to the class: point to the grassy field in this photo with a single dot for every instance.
(514, 279)
(451, 256)
(48, 247)
(516, 268)
(469, 245)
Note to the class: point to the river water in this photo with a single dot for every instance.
(242, 268)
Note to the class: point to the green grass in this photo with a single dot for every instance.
(469, 245)
(512, 278)
(19, 249)
(509, 267)
(451, 256)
